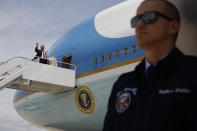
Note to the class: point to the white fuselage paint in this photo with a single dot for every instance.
(39, 108)
(60, 110)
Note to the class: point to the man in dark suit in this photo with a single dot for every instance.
(161, 93)
(41, 54)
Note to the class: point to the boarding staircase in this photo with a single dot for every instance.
(23, 74)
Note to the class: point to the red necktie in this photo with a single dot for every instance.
(44, 55)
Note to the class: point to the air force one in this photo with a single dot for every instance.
(71, 93)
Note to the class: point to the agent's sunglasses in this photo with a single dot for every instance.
(148, 17)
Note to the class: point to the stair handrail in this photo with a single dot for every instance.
(10, 75)
(75, 67)
(12, 59)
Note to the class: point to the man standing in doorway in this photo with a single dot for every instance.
(41, 54)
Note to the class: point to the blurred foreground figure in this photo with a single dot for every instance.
(161, 93)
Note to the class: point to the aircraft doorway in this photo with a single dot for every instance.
(66, 59)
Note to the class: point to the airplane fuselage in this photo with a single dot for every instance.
(102, 47)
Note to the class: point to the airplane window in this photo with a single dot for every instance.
(102, 59)
(125, 51)
(95, 61)
(133, 49)
(117, 53)
(109, 56)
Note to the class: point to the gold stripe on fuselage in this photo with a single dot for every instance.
(111, 67)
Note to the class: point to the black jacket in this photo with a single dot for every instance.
(169, 104)
(38, 52)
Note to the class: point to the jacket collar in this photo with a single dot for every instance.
(166, 65)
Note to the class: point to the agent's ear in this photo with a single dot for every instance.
(174, 27)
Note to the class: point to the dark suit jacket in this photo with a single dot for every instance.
(169, 104)
(39, 54)
(38, 51)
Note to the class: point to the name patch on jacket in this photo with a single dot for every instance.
(177, 90)
(124, 99)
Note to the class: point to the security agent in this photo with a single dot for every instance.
(161, 93)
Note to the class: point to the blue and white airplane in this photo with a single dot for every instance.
(74, 97)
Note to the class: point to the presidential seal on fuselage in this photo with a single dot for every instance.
(84, 99)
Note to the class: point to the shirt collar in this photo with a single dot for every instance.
(148, 64)
(166, 65)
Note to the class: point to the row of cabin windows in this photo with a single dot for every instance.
(117, 53)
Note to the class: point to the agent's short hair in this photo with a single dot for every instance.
(169, 8)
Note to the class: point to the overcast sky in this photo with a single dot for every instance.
(25, 22)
